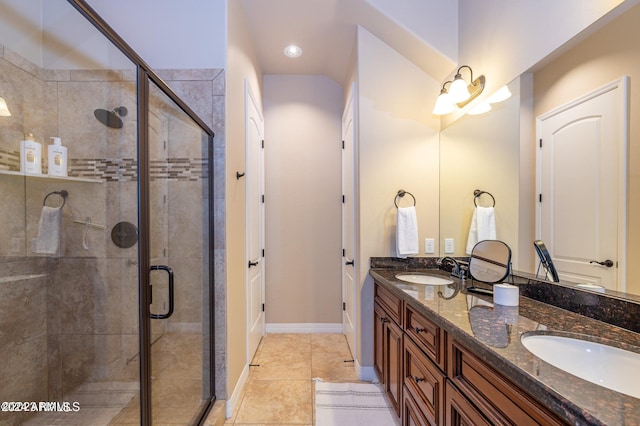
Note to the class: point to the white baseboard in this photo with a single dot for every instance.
(237, 392)
(304, 327)
(367, 374)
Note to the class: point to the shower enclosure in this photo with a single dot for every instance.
(105, 274)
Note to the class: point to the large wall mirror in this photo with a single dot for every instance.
(495, 152)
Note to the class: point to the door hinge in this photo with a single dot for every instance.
(342, 144)
(262, 198)
(540, 143)
(262, 252)
(343, 198)
(344, 306)
(344, 252)
(262, 143)
(263, 307)
(539, 198)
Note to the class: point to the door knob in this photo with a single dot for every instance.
(608, 263)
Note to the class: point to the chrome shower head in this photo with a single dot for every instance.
(111, 118)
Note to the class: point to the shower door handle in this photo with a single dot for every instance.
(170, 310)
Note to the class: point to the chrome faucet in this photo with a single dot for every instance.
(457, 270)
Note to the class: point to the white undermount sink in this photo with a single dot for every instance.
(423, 279)
(606, 366)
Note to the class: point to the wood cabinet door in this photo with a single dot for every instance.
(393, 364)
(379, 319)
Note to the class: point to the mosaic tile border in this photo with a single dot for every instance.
(121, 169)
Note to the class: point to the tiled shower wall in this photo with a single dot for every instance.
(91, 328)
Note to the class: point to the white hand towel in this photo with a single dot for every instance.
(48, 239)
(406, 232)
(483, 227)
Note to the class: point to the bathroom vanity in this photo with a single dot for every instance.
(450, 357)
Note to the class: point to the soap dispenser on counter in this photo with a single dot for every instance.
(57, 158)
(30, 155)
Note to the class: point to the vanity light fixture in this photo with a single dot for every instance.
(4, 109)
(293, 51)
(444, 104)
(481, 108)
(501, 95)
(460, 93)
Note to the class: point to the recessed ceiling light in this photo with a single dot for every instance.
(292, 51)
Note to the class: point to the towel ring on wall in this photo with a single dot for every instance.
(477, 193)
(402, 193)
(63, 193)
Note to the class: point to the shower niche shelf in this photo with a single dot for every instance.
(47, 177)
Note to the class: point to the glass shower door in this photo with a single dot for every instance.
(179, 262)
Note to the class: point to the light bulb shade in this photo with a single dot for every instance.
(501, 95)
(4, 109)
(444, 104)
(480, 109)
(458, 90)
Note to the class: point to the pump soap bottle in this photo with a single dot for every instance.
(57, 158)
(30, 155)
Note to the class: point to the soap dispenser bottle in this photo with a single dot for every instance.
(57, 158)
(30, 155)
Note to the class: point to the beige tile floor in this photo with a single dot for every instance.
(280, 389)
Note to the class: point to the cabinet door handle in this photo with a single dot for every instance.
(418, 379)
(384, 320)
(419, 330)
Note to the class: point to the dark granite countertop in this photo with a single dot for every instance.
(476, 323)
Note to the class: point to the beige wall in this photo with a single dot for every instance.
(303, 191)
(241, 65)
(607, 55)
(397, 149)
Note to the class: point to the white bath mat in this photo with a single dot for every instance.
(353, 404)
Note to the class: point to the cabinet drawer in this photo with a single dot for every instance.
(501, 401)
(412, 413)
(459, 411)
(391, 303)
(425, 382)
(426, 334)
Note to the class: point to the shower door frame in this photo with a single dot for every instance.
(145, 74)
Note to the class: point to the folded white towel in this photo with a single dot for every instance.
(407, 232)
(48, 239)
(483, 227)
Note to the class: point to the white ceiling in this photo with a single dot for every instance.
(326, 31)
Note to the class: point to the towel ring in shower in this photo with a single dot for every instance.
(402, 193)
(477, 193)
(63, 193)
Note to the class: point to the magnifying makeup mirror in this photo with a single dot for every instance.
(490, 263)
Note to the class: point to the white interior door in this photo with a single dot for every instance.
(254, 176)
(581, 177)
(349, 224)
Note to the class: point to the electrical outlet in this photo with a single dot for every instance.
(429, 246)
(448, 246)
